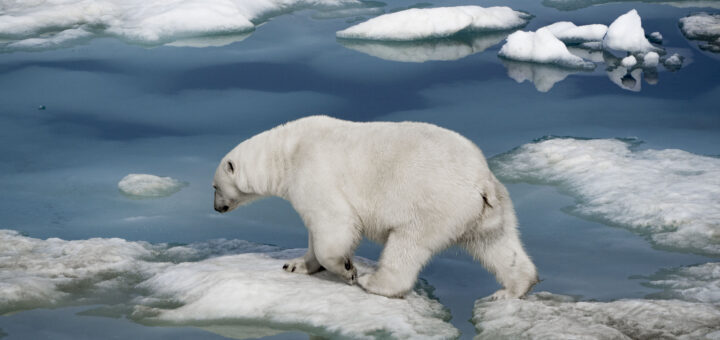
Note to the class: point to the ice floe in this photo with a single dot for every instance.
(568, 32)
(705, 27)
(627, 34)
(49, 23)
(571, 5)
(541, 47)
(427, 50)
(700, 283)
(430, 23)
(206, 284)
(551, 316)
(670, 195)
(145, 185)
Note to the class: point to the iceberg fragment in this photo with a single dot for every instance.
(541, 47)
(429, 23)
(627, 34)
(568, 32)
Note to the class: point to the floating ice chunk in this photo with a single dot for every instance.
(571, 5)
(48, 22)
(426, 50)
(541, 47)
(703, 26)
(655, 37)
(629, 61)
(265, 292)
(53, 41)
(544, 77)
(651, 59)
(550, 316)
(144, 185)
(427, 23)
(230, 280)
(568, 32)
(673, 62)
(671, 195)
(699, 283)
(626, 34)
(43, 273)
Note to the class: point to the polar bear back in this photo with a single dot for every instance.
(389, 173)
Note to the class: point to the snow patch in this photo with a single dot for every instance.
(145, 186)
(206, 284)
(672, 196)
(568, 32)
(705, 27)
(550, 316)
(541, 47)
(428, 23)
(626, 34)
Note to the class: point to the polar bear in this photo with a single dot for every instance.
(414, 187)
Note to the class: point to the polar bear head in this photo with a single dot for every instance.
(231, 189)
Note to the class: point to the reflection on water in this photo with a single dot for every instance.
(453, 48)
(543, 76)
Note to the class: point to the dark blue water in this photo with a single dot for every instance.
(113, 109)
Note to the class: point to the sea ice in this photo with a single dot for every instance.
(550, 316)
(700, 283)
(571, 5)
(703, 26)
(541, 47)
(144, 185)
(651, 59)
(568, 32)
(626, 34)
(628, 62)
(34, 24)
(428, 23)
(673, 62)
(206, 284)
(655, 37)
(671, 195)
(426, 50)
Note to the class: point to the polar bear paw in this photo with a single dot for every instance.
(371, 285)
(501, 294)
(300, 266)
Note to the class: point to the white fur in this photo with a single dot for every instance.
(415, 187)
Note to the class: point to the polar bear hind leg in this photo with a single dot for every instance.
(501, 253)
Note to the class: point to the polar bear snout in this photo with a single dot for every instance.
(221, 209)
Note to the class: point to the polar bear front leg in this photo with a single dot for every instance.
(307, 264)
(334, 246)
(400, 263)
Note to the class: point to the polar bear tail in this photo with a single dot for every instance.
(494, 241)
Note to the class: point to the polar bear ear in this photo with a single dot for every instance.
(230, 167)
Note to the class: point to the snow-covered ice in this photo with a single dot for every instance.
(551, 316)
(651, 59)
(628, 62)
(705, 27)
(145, 185)
(673, 62)
(655, 37)
(699, 283)
(627, 34)
(426, 50)
(568, 32)
(670, 195)
(541, 47)
(48, 23)
(428, 23)
(206, 284)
